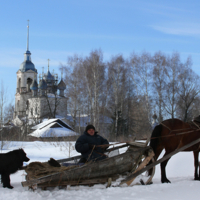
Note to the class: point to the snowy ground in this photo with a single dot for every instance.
(179, 170)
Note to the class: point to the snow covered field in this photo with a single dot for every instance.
(179, 170)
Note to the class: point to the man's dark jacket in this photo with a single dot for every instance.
(82, 146)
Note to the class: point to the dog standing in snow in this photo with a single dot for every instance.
(10, 163)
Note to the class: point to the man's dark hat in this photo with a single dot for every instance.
(88, 127)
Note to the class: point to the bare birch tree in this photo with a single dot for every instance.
(159, 81)
(9, 112)
(188, 91)
(94, 71)
(172, 72)
(3, 100)
(141, 74)
(118, 75)
(130, 92)
(74, 91)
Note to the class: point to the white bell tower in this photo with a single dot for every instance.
(25, 76)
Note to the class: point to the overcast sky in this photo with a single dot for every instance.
(59, 28)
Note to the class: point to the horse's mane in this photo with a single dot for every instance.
(196, 120)
(171, 120)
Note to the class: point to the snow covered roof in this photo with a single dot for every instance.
(50, 121)
(52, 129)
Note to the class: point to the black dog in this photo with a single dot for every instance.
(9, 163)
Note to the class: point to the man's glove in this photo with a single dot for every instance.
(91, 146)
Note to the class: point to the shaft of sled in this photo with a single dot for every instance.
(78, 157)
(132, 176)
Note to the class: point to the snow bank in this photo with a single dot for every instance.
(179, 170)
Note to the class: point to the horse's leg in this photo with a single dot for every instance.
(163, 172)
(199, 168)
(196, 164)
(157, 153)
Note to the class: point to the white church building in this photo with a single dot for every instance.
(38, 97)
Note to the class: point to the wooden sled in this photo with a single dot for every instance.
(108, 170)
(132, 163)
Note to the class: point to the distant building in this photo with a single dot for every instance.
(52, 128)
(33, 100)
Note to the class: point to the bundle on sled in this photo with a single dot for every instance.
(123, 165)
(37, 169)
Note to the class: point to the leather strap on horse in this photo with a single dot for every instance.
(192, 131)
(196, 124)
(174, 130)
(198, 129)
(166, 126)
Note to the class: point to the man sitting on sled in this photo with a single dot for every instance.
(88, 145)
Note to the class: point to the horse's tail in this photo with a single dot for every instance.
(155, 137)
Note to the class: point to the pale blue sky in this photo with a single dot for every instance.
(59, 28)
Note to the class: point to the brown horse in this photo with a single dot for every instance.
(172, 134)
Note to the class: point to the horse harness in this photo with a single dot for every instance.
(191, 123)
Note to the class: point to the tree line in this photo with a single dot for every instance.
(121, 95)
(131, 90)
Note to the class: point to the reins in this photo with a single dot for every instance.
(182, 133)
(176, 129)
(90, 153)
(169, 135)
(102, 154)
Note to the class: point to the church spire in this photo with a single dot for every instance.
(62, 74)
(27, 55)
(48, 64)
(28, 36)
(27, 64)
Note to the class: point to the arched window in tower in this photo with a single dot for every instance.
(29, 81)
(19, 85)
(18, 106)
(27, 105)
